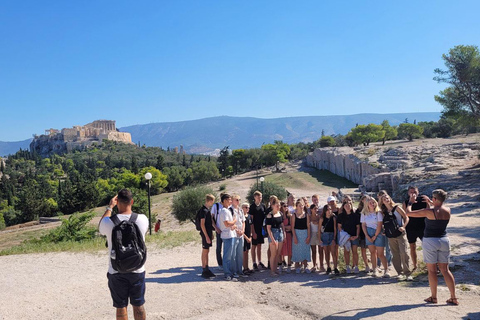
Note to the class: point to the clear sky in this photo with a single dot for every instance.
(65, 63)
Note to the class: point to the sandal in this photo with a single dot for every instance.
(453, 301)
(430, 300)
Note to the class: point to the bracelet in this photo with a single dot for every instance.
(108, 209)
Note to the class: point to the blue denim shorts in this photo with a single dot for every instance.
(277, 235)
(327, 239)
(379, 241)
(355, 242)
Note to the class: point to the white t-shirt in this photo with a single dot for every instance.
(106, 227)
(240, 219)
(225, 215)
(214, 212)
(371, 219)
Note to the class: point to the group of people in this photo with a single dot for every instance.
(298, 232)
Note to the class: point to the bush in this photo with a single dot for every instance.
(268, 189)
(2, 222)
(74, 228)
(222, 187)
(186, 203)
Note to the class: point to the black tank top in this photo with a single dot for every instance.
(435, 228)
(328, 224)
(301, 223)
(275, 222)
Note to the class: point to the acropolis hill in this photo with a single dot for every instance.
(78, 137)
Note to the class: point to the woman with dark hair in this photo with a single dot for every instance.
(301, 237)
(349, 222)
(276, 234)
(287, 242)
(327, 234)
(435, 243)
(314, 239)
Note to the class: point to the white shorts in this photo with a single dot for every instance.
(436, 250)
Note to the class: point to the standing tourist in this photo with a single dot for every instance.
(436, 245)
(314, 238)
(206, 232)
(372, 222)
(349, 222)
(276, 234)
(218, 250)
(332, 203)
(257, 211)
(130, 285)
(287, 242)
(362, 242)
(416, 225)
(316, 201)
(301, 238)
(228, 226)
(237, 256)
(327, 234)
(394, 222)
(247, 236)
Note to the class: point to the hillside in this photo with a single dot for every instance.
(204, 135)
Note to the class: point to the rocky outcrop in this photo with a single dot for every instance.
(429, 164)
(78, 137)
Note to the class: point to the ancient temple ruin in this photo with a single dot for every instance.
(77, 137)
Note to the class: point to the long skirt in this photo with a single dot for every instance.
(287, 245)
(301, 250)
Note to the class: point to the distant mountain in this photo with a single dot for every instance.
(206, 135)
(7, 148)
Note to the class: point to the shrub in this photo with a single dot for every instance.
(2, 222)
(268, 189)
(74, 228)
(222, 187)
(186, 203)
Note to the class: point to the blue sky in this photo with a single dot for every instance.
(65, 63)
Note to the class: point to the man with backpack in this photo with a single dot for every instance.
(125, 234)
(203, 222)
(215, 212)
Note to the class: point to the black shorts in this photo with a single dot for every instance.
(246, 245)
(127, 285)
(260, 239)
(414, 233)
(206, 245)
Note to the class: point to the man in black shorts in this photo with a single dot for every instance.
(257, 211)
(206, 233)
(416, 226)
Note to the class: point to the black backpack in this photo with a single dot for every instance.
(197, 222)
(390, 224)
(129, 252)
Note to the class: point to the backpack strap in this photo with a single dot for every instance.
(133, 217)
(115, 220)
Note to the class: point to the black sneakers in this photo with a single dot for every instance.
(329, 270)
(208, 274)
(336, 271)
(261, 265)
(255, 267)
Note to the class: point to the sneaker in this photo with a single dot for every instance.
(255, 267)
(409, 278)
(235, 275)
(329, 270)
(336, 271)
(229, 278)
(205, 275)
(367, 269)
(244, 275)
(261, 265)
(386, 274)
(401, 277)
(355, 269)
(284, 264)
(349, 270)
(211, 274)
(375, 274)
(308, 270)
(268, 265)
(280, 269)
(322, 269)
(289, 269)
(297, 270)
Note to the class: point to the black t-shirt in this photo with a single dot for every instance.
(275, 222)
(362, 234)
(329, 224)
(205, 214)
(416, 223)
(258, 215)
(349, 222)
(248, 224)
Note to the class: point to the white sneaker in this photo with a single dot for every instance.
(367, 269)
(348, 269)
(401, 277)
(386, 274)
(355, 269)
(375, 273)
(409, 278)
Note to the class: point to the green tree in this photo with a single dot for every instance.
(327, 141)
(390, 132)
(410, 131)
(186, 203)
(462, 97)
(158, 182)
(275, 153)
(268, 189)
(223, 160)
(364, 134)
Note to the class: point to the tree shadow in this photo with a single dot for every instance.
(472, 315)
(372, 312)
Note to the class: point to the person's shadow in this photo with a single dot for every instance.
(178, 275)
(362, 313)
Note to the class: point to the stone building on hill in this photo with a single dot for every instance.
(77, 137)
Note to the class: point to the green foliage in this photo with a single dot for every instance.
(158, 181)
(74, 228)
(268, 189)
(2, 222)
(275, 153)
(327, 141)
(186, 203)
(222, 187)
(410, 131)
(462, 97)
(364, 134)
(390, 132)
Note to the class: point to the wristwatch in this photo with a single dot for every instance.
(108, 209)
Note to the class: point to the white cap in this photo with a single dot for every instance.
(331, 198)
